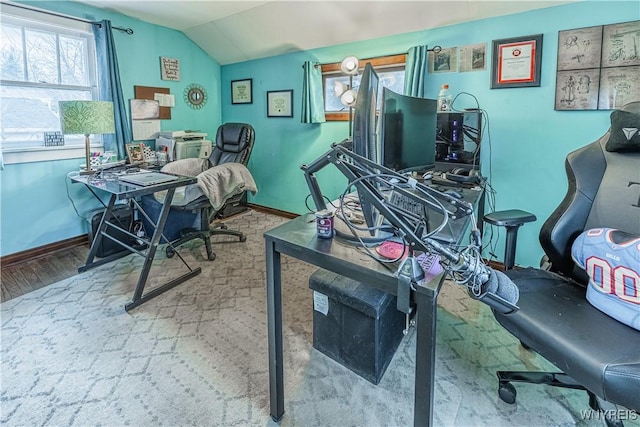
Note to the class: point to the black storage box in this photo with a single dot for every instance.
(124, 220)
(362, 327)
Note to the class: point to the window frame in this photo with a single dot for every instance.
(34, 20)
(380, 63)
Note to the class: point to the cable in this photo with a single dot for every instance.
(66, 182)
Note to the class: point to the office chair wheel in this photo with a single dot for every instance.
(507, 392)
(243, 238)
(170, 252)
(223, 226)
(211, 257)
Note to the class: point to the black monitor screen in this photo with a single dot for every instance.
(365, 141)
(407, 132)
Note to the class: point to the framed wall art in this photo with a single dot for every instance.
(242, 91)
(516, 62)
(597, 67)
(280, 103)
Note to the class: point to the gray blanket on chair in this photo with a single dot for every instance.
(218, 183)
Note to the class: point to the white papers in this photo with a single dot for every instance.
(165, 99)
(145, 129)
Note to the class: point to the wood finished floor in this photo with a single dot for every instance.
(24, 277)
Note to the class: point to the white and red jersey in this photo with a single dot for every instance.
(611, 258)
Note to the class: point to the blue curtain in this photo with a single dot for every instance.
(415, 71)
(111, 89)
(312, 96)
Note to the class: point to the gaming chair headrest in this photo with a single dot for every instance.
(624, 134)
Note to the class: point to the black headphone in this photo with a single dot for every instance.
(463, 175)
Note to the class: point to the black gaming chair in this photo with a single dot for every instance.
(595, 352)
(233, 144)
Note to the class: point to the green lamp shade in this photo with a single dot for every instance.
(86, 117)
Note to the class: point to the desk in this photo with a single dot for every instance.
(297, 238)
(123, 191)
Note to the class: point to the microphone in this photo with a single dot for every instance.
(499, 292)
(492, 287)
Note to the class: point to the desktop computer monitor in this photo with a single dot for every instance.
(365, 141)
(407, 129)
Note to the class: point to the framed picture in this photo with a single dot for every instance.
(135, 152)
(516, 62)
(242, 91)
(280, 103)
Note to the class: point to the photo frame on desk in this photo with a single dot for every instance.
(135, 152)
(280, 103)
(516, 62)
(242, 91)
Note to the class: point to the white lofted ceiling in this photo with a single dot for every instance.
(236, 31)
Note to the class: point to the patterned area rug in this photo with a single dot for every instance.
(197, 355)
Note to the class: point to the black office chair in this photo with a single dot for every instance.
(233, 144)
(595, 352)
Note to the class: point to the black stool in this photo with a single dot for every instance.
(512, 220)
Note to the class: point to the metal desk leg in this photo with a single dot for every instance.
(425, 358)
(274, 322)
(97, 240)
(138, 298)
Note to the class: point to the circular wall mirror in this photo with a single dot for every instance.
(195, 96)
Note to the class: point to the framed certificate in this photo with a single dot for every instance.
(516, 62)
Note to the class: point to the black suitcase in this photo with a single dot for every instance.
(124, 220)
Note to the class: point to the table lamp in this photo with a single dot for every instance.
(86, 117)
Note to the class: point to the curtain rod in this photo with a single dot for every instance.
(61, 15)
(435, 49)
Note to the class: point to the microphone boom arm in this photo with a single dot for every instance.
(368, 177)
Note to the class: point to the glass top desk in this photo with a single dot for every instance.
(297, 238)
(120, 190)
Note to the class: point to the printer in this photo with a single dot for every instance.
(182, 144)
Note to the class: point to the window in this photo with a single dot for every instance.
(390, 71)
(42, 61)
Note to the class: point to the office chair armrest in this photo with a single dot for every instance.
(511, 219)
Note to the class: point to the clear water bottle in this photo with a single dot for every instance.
(444, 99)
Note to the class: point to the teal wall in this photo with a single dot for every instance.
(522, 155)
(524, 146)
(34, 208)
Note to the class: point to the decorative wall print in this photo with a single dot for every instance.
(242, 91)
(445, 61)
(169, 69)
(598, 67)
(280, 103)
(580, 49)
(621, 44)
(577, 89)
(618, 86)
(473, 57)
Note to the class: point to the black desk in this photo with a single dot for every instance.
(297, 238)
(123, 191)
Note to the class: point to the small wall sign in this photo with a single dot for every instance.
(170, 69)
